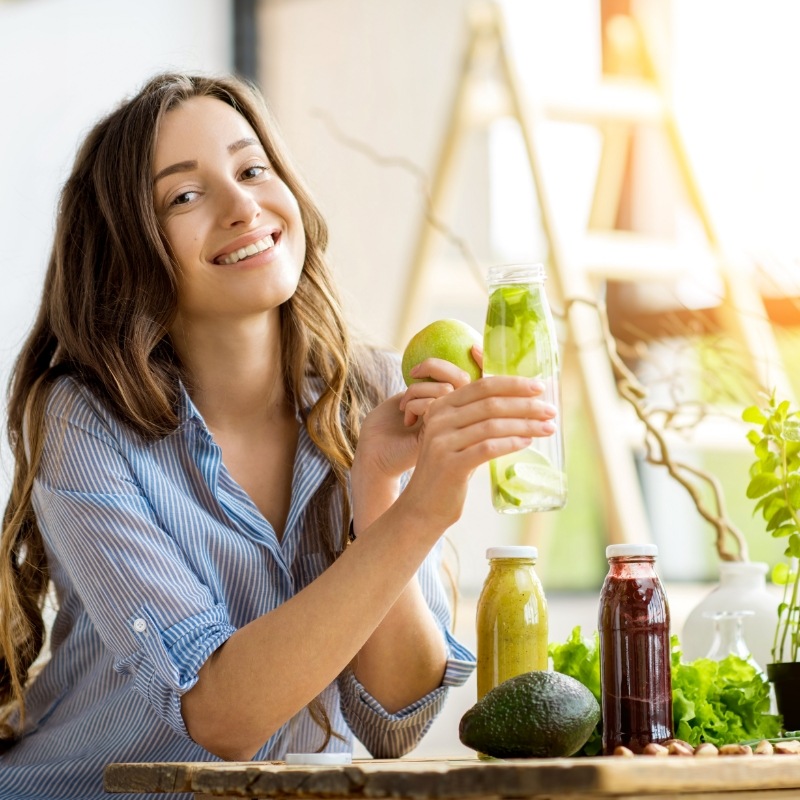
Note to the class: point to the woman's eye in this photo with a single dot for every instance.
(254, 171)
(183, 198)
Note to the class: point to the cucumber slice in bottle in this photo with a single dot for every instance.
(501, 347)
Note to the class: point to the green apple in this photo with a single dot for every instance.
(448, 339)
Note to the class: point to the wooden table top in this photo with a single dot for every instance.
(443, 779)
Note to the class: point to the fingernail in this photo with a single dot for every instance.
(548, 427)
(550, 409)
(537, 385)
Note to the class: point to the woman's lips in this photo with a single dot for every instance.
(249, 250)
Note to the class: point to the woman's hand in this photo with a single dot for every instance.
(460, 430)
(446, 427)
(388, 441)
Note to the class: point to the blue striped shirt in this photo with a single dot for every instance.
(157, 556)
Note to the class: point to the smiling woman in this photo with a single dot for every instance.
(224, 207)
(239, 508)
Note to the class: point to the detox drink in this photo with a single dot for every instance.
(520, 339)
(635, 654)
(511, 620)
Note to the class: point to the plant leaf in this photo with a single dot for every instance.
(761, 484)
(754, 414)
(778, 514)
(754, 437)
(781, 575)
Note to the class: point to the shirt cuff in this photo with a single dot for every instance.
(167, 662)
(460, 664)
(388, 735)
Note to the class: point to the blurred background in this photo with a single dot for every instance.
(646, 152)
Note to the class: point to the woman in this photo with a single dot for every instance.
(215, 478)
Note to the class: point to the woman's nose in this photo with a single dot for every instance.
(238, 206)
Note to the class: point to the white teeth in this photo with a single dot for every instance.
(250, 250)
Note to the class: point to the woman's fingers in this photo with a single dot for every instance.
(462, 429)
(418, 397)
(437, 369)
(495, 408)
(477, 354)
(487, 411)
(498, 386)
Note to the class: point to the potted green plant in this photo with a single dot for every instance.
(775, 485)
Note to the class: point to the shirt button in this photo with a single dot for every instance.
(139, 625)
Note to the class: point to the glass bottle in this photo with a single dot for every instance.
(742, 587)
(635, 675)
(729, 636)
(511, 618)
(520, 339)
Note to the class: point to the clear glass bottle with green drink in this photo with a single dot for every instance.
(520, 339)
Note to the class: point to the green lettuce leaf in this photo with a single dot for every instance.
(722, 702)
(581, 660)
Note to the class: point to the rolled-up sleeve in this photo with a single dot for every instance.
(152, 611)
(389, 735)
(167, 662)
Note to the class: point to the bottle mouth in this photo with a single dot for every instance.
(516, 551)
(516, 273)
(631, 550)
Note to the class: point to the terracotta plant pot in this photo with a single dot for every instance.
(785, 677)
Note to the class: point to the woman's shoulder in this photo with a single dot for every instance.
(72, 401)
(381, 370)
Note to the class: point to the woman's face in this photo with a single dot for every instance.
(232, 224)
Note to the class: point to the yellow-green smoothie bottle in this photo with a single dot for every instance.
(511, 618)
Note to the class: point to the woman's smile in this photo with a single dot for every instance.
(245, 248)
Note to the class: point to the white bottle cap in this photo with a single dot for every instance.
(319, 759)
(512, 552)
(617, 550)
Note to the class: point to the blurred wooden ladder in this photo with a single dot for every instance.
(576, 269)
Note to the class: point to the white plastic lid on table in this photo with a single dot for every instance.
(319, 759)
(516, 551)
(622, 550)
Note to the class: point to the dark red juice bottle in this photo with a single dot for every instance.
(635, 677)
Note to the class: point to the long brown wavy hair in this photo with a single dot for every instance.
(108, 301)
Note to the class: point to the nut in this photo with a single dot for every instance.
(680, 748)
(706, 749)
(623, 751)
(655, 749)
(736, 750)
(764, 748)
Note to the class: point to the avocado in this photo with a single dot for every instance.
(535, 714)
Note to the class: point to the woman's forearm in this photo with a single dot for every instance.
(404, 659)
(271, 668)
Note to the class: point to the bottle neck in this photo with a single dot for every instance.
(505, 563)
(743, 575)
(631, 566)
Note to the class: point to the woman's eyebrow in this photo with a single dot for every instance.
(187, 166)
(242, 143)
(181, 166)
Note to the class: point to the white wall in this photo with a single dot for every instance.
(382, 72)
(63, 64)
